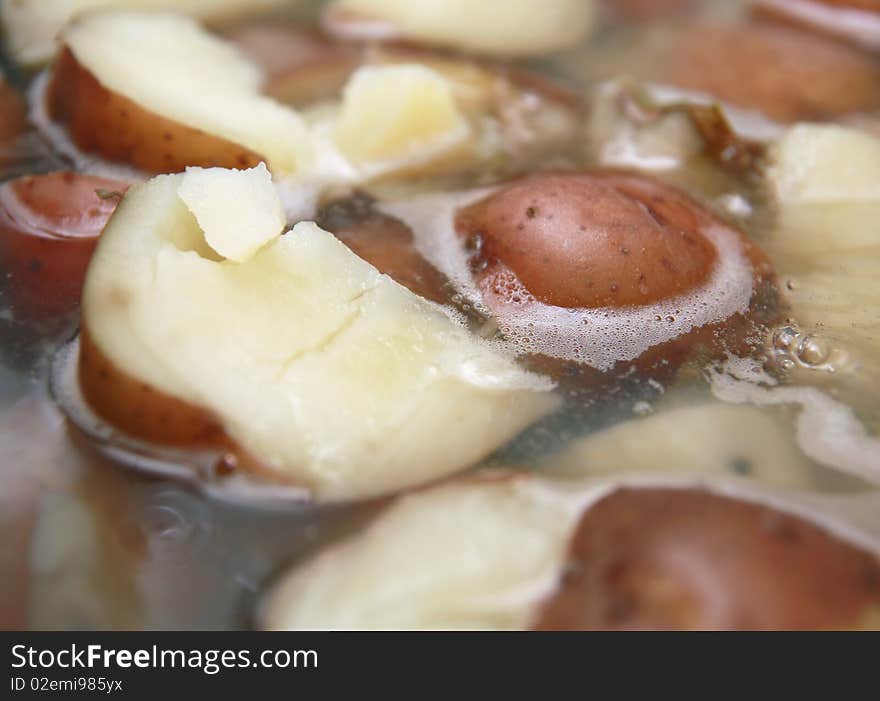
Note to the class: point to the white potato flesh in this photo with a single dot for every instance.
(326, 370)
(665, 143)
(504, 27)
(826, 180)
(398, 114)
(468, 555)
(32, 26)
(238, 211)
(169, 65)
(815, 163)
(826, 241)
(697, 440)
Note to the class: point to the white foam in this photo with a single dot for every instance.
(827, 431)
(598, 337)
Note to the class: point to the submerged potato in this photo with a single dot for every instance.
(698, 440)
(601, 269)
(503, 27)
(183, 98)
(669, 559)
(519, 552)
(320, 370)
(584, 240)
(302, 66)
(49, 226)
(793, 75)
(386, 244)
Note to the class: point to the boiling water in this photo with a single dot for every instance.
(88, 544)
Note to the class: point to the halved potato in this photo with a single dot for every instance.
(32, 26)
(325, 372)
(521, 552)
(504, 27)
(158, 92)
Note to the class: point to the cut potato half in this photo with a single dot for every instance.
(330, 375)
(520, 552)
(158, 92)
(32, 26)
(503, 27)
(472, 555)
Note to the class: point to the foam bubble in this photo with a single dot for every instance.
(598, 337)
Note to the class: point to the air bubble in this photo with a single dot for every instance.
(813, 350)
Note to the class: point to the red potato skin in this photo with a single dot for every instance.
(793, 75)
(387, 244)
(139, 410)
(302, 66)
(116, 128)
(13, 122)
(687, 559)
(605, 239)
(49, 226)
(150, 415)
(581, 240)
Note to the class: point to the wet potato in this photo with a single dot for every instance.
(669, 559)
(49, 226)
(118, 129)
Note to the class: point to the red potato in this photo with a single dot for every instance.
(302, 66)
(581, 240)
(792, 75)
(586, 240)
(387, 244)
(49, 226)
(115, 127)
(685, 559)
